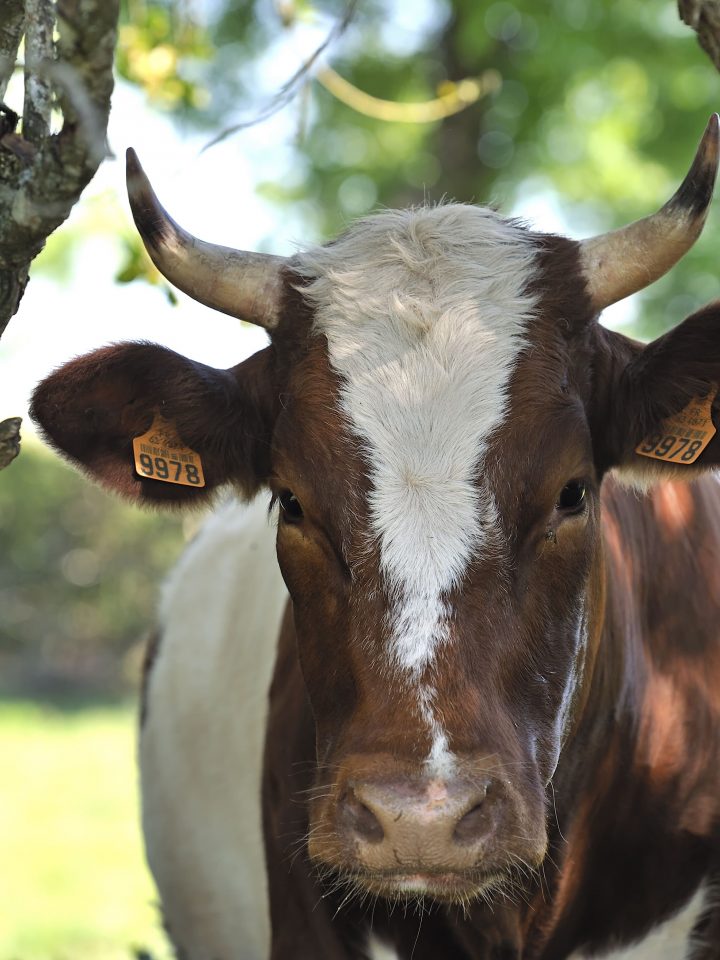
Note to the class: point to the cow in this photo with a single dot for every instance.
(475, 714)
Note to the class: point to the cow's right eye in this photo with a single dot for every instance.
(290, 507)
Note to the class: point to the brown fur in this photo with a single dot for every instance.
(613, 820)
(93, 406)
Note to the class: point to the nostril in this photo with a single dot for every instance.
(361, 821)
(471, 826)
(474, 825)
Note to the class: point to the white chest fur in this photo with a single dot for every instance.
(667, 942)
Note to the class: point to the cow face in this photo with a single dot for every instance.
(440, 578)
(434, 418)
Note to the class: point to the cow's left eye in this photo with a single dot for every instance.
(572, 497)
(292, 512)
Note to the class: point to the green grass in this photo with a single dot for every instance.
(73, 881)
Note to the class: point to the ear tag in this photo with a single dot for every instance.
(160, 454)
(683, 437)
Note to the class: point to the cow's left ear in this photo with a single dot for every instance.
(156, 427)
(656, 410)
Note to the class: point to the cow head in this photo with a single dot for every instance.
(434, 417)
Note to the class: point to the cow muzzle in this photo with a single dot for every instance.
(446, 839)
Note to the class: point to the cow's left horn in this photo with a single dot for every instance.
(619, 263)
(244, 285)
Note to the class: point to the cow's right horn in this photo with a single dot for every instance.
(241, 284)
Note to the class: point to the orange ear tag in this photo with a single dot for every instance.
(683, 437)
(160, 454)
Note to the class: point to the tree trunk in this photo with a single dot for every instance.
(42, 173)
(69, 49)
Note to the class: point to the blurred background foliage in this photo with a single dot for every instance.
(78, 580)
(599, 107)
(594, 118)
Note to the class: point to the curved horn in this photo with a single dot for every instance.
(619, 263)
(243, 285)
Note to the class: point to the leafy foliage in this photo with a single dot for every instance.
(162, 47)
(600, 108)
(588, 113)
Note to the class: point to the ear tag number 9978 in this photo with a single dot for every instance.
(161, 455)
(682, 438)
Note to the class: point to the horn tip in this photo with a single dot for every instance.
(710, 143)
(135, 176)
(152, 221)
(695, 192)
(134, 173)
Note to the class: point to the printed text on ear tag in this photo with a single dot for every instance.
(683, 437)
(161, 455)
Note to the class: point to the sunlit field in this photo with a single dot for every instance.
(73, 882)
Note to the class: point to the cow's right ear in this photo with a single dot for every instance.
(92, 408)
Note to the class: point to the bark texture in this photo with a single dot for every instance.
(9, 440)
(69, 47)
(704, 17)
(12, 24)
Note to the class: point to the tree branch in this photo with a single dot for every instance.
(9, 440)
(12, 23)
(39, 23)
(704, 17)
(40, 180)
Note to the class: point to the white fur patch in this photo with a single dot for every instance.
(425, 313)
(201, 747)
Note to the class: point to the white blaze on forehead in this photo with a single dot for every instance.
(425, 313)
